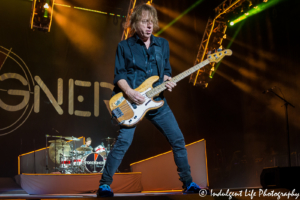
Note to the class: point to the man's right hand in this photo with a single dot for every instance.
(135, 96)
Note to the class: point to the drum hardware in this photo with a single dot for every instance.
(110, 143)
(58, 149)
(108, 139)
(78, 160)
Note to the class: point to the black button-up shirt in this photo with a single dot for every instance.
(135, 63)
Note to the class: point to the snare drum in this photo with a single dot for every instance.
(93, 163)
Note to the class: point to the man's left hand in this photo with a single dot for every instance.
(170, 85)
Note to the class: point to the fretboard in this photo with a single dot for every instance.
(158, 89)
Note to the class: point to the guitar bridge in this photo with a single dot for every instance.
(117, 113)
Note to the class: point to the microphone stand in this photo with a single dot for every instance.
(286, 103)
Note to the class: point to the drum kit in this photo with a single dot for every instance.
(72, 160)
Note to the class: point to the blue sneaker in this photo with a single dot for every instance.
(192, 188)
(105, 191)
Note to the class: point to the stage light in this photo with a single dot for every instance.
(46, 6)
(231, 23)
(250, 3)
(265, 1)
(41, 16)
(247, 13)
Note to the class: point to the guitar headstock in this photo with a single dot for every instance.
(216, 57)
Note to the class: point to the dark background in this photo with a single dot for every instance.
(244, 129)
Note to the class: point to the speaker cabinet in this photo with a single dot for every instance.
(280, 177)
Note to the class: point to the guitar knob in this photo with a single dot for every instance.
(134, 105)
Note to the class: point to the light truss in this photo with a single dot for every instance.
(216, 25)
(130, 10)
(41, 15)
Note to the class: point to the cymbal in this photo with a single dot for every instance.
(62, 145)
(57, 141)
(58, 150)
(72, 138)
(108, 138)
(84, 149)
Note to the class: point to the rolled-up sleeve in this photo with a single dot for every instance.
(168, 69)
(120, 70)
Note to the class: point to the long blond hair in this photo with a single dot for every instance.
(136, 16)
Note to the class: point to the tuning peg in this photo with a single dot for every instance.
(219, 50)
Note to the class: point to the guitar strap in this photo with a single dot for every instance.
(133, 60)
(159, 60)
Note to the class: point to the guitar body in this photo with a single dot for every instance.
(127, 113)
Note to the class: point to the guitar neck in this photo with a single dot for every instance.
(158, 89)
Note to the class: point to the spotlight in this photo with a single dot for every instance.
(46, 6)
(231, 23)
(247, 13)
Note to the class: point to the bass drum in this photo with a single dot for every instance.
(93, 163)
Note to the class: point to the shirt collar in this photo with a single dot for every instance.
(135, 38)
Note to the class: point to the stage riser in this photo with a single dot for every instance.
(160, 172)
(78, 184)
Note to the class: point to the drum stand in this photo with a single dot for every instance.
(47, 169)
(61, 155)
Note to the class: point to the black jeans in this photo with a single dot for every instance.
(165, 121)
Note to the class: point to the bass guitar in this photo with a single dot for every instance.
(127, 113)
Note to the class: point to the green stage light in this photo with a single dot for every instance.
(46, 6)
(255, 10)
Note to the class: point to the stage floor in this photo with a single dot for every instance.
(10, 190)
(146, 195)
(160, 195)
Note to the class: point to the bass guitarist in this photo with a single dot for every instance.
(138, 58)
